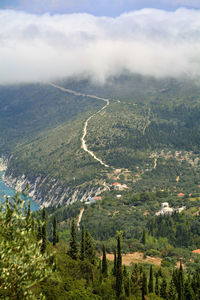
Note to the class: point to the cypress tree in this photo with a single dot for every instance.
(28, 215)
(172, 291)
(144, 286)
(82, 254)
(157, 285)
(143, 240)
(104, 263)
(115, 263)
(89, 247)
(163, 289)
(73, 247)
(126, 281)
(119, 269)
(39, 233)
(188, 292)
(135, 281)
(44, 231)
(180, 283)
(150, 286)
(55, 232)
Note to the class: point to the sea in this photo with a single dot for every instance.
(5, 190)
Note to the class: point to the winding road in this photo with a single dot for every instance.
(83, 142)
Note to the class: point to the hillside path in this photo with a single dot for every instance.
(80, 217)
(83, 141)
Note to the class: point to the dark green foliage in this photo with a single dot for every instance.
(126, 281)
(39, 233)
(163, 289)
(180, 282)
(188, 292)
(144, 285)
(150, 285)
(157, 290)
(143, 240)
(136, 281)
(28, 211)
(104, 269)
(82, 254)
(119, 269)
(172, 295)
(115, 263)
(55, 231)
(73, 247)
(89, 247)
(44, 231)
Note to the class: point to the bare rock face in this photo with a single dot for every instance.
(50, 192)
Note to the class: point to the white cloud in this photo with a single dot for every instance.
(149, 42)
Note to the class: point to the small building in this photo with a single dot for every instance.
(90, 201)
(167, 210)
(180, 195)
(197, 251)
(97, 198)
(119, 186)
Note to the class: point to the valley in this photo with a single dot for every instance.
(74, 143)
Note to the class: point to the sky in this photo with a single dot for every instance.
(110, 8)
(52, 39)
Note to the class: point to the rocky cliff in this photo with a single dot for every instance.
(48, 191)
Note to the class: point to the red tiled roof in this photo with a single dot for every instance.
(181, 195)
(116, 183)
(197, 251)
(97, 198)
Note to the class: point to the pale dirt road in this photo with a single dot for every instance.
(155, 163)
(83, 142)
(80, 217)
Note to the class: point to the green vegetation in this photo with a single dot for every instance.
(27, 274)
(166, 236)
(151, 127)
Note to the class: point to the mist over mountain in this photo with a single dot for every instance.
(148, 42)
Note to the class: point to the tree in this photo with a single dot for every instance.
(73, 247)
(172, 291)
(188, 292)
(82, 254)
(150, 285)
(180, 283)
(157, 285)
(89, 247)
(21, 266)
(126, 281)
(44, 231)
(143, 240)
(104, 263)
(144, 286)
(39, 233)
(163, 289)
(115, 263)
(55, 232)
(119, 268)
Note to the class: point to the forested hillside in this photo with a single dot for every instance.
(32, 267)
(150, 131)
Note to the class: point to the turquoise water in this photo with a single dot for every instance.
(6, 190)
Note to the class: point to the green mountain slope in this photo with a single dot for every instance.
(150, 131)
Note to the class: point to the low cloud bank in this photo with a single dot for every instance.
(148, 42)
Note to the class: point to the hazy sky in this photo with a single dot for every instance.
(96, 7)
(43, 46)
